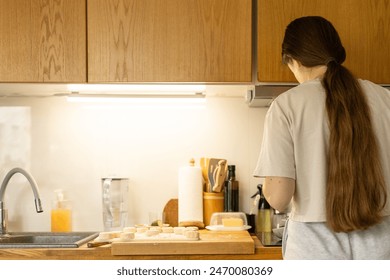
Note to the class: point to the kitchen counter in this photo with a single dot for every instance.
(104, 253)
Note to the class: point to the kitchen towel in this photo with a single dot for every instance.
(190, 196)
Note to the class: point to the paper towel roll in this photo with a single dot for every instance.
(190, 204)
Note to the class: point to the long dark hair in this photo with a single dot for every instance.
(355, 192)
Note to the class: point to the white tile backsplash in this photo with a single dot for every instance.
(73, 145)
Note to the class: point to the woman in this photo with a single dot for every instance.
(326, 147)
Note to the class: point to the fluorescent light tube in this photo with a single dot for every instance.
(137, 98)
(147, 89)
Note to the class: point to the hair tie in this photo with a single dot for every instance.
(329, 60)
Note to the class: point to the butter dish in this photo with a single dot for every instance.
(228, 221)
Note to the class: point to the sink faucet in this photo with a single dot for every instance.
(3, 211)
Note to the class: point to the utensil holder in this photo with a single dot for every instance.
(212, 202)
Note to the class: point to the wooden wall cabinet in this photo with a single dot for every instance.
(176, 40)
(42, 41)
(169, 41)
(364, 28)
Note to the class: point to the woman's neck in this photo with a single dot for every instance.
(304, 74)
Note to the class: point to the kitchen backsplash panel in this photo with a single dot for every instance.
(71, 146)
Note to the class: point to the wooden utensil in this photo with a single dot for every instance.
(93, 244)
(212, 167)
(219, 175)
(204, 165)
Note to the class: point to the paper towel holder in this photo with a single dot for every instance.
(190, 222)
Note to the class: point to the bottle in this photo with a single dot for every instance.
(61, 213)
(264, 221)
(231, 191)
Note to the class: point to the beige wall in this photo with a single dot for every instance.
(72, 145)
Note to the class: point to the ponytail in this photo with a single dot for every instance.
(355, 193)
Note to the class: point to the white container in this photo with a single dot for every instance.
(115, 203)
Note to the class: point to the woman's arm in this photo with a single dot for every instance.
(278, 191)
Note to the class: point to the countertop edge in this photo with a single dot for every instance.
(104, 253)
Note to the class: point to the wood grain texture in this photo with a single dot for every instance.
(43, 41)
(364, 28)
(171, 212)
(104, 253)
(236, 243)
(169, 41)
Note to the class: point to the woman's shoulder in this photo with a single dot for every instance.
(371, 86)
(376, 94)
(302, 93)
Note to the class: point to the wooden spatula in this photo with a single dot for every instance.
(219, 175)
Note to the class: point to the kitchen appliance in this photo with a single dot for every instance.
(262, 96)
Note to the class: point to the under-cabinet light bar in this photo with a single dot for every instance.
(137, 98)
(137, 89)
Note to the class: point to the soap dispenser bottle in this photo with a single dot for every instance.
(61, 213)
(264, 218)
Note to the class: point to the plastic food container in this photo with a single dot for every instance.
(228, 221)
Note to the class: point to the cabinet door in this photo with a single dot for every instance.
(169, 40)
(364, 28)
(42, 41)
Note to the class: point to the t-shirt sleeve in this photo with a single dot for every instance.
(277, 149)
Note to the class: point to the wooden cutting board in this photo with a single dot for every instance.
(210, 243)
(170, 212)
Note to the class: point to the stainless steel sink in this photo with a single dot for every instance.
(46, 239)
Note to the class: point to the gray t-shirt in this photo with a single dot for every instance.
(295, 143)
